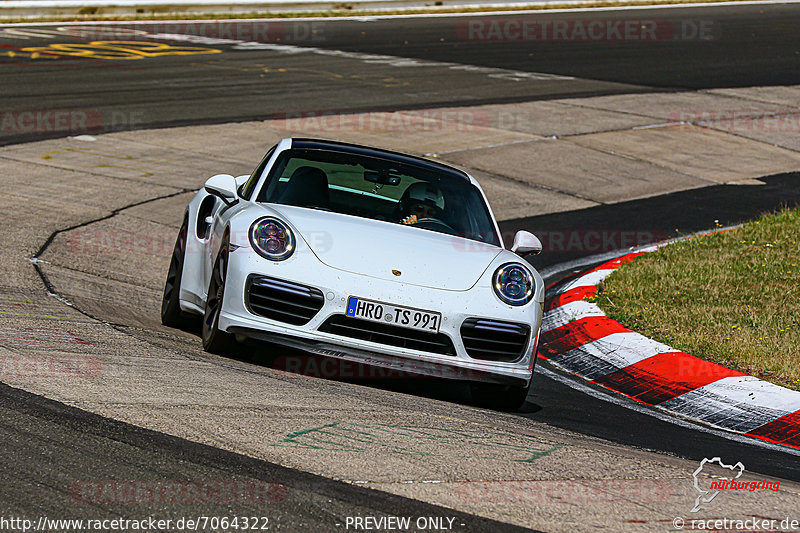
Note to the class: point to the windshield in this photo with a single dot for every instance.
(379, 189)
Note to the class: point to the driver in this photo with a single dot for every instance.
(421, 200)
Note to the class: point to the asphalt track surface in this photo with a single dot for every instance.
(750, 45)
(686, 48)
(36, 431)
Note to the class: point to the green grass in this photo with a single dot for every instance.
(731, 297)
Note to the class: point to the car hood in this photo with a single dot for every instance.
(380, 249)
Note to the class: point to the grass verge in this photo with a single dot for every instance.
(731, 297)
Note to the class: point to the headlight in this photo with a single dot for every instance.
(272, 238)
(513, 283)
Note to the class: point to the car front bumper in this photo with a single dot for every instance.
(337, 286)
(393, 365)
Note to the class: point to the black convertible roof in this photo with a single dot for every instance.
(320, 144)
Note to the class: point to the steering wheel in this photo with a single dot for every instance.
(435, 224)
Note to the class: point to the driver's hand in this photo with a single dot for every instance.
(412, 219)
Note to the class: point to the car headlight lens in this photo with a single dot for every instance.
(272, 239)
(513, 283)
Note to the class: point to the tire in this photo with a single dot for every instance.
(500, 397)
(171, 314)
(214, 340)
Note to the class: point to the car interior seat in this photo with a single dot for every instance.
(308, 187)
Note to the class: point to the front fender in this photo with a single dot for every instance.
(199, 244)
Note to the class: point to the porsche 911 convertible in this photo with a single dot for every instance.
(365, 255)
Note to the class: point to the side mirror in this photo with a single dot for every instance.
(526, 242)
(222, 186)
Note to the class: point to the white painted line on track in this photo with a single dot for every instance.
(495, 145)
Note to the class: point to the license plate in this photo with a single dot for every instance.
(395, 315)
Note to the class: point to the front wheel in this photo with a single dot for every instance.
(171, 314)
(501, 397)
(215, 340)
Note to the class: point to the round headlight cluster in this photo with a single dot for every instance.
(513, 283)
(272, 238)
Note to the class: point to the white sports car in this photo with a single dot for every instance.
(364, 255)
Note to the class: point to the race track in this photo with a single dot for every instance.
(231, 80)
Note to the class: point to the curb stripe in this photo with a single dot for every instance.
(564, 280)
(618, 262)
(609, 354)
(590, 279)
(567, 313)
(781, 431)
(731, 403)
(664, 376)
(754, 392)
(573, 295)
(577, 333)
(577, 336)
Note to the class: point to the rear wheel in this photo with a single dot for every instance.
(502, 397)
(215, 340)
(171, 314)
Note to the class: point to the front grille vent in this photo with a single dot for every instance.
(283, 301)
(492, 340)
